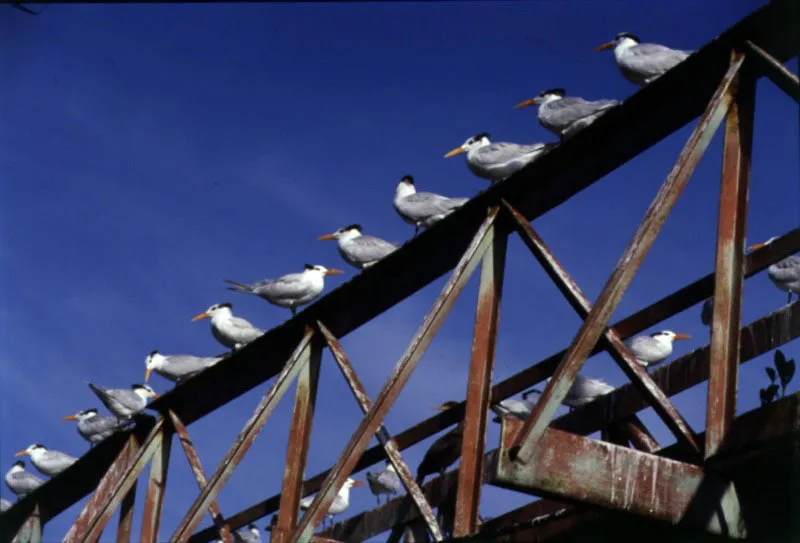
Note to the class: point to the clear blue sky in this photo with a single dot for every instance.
(147, 152)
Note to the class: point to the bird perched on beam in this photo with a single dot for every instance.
(422, 209)
(785, 274)
(583, 390)
(500, 160)
(444, 452)
(94, 428)
(359, 250)
(176, 367)
(653, 349)
(340, 503)
(51, 463)
(385, 481)
(642, 63)
(22, 482)
(233, 332)
(124, 402)
(565, 115)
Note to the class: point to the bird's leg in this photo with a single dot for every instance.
(294, 311)
(790, 298)
(416, 229)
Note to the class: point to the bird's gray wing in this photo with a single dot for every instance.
(499, 153)
(428, 204)
(370, 248)
(787, 270)
(288, 286)
(5, 505)
(126, 397)
(572, 108)
(652, 59)
(26, 482)
(244, 326)
(59, 460)
(183, 364)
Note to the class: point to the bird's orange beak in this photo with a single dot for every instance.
(156, 395)
(202, 315)
(454, 152)
(333, 271)
(682, 336)
(526, 103)
(756, 246)
(21, 453)
(147, 374)
(605, 46)
(357, 482)
(71, 417)
(442, 407)
(327, 237)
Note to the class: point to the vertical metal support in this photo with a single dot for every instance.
(199, 475)
(597, 320)
(156, 485)
(297, 449)
(98, 513)
(128, 502)
(389, 444)
(394, 384)
(484, 345)
(245, 439)
(729, 274)
(31, 529)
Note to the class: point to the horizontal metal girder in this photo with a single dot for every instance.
(576, 468)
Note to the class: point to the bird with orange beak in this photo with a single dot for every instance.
(653, 349)
(565, 115)
(642, 63)
(176, 367)
(359, 250)
(784, 274)
(94, 427)
(291, 290)
(497, 161)
(51, 463)
(124, 403)
(231, 331)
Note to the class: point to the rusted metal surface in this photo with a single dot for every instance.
(613, 342)
(387, 442)
(397, 513)
(200, 475)
(638, 435)
(128, 502)
(729, 278)
(595, 323)
(245, 439)
(100, 512)
(645, 118)
(31, 529)
(607, 475)
(297, 449)
(484, 345)
(779, 74)
(156, 486)
(394, 384)
(758, 337)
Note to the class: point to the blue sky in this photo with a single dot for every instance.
(147, 152)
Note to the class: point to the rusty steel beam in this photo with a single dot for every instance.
(100, 513)
(484, 346)
(595, 324)
(779, 74)
(394, 384)
(244, 440)
(128, 502)
(758, 337)
(156, 486)
(297, 448)
(639, 436)
(612, 340)
(31, 529)
(200, 475)
(729, 278)
(603, 474)
(388, 443)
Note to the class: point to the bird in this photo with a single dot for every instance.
(232, 332)
(422, 209)
(51, 463)
(583, 390)
(248, 535)
(785, 274)
(642, 63)
(291, 290)
(707, 313)
(22, 482)
(385, 481)
(444, 451)
(340, 503)
(124, 402)
(5, 505)
(497, 161)
(512, 407)
(176, 367)
(358, 250)
(652, 349)
(564, 115)
(94, 428)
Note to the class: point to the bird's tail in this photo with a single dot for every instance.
(238, 287)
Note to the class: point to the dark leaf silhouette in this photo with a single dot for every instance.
(768, 394)
(785, 369)
(771, 373)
